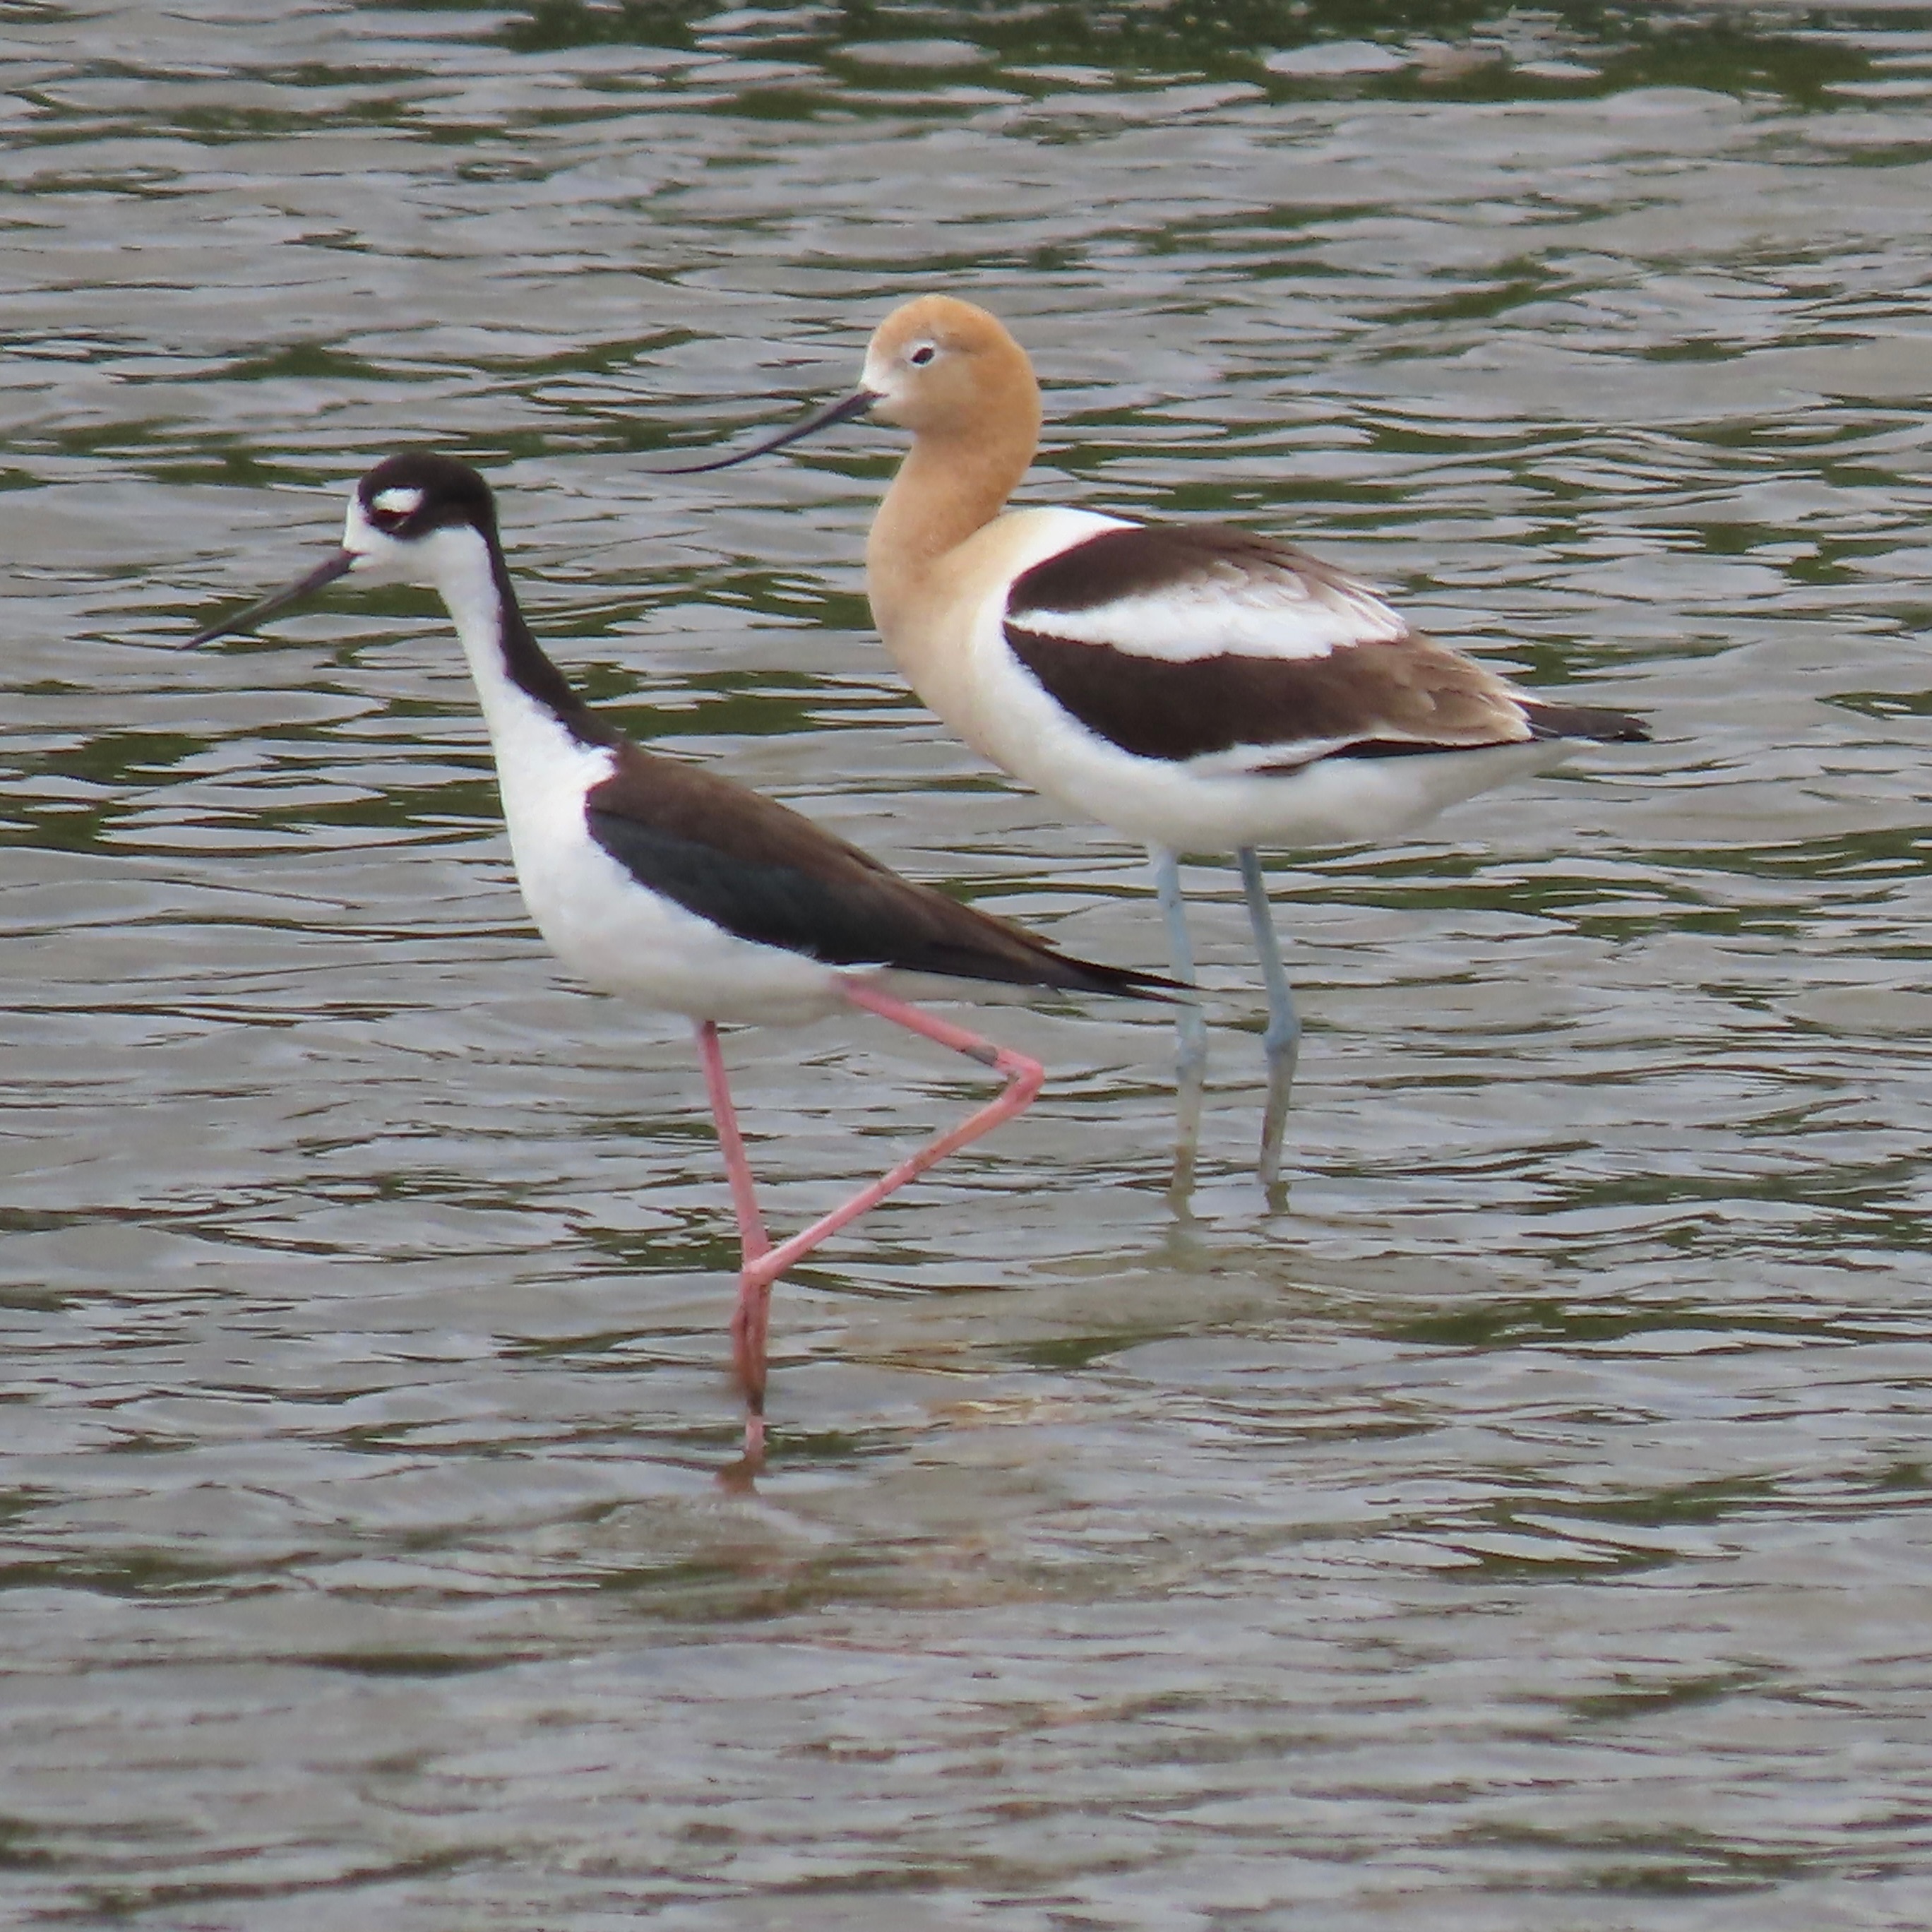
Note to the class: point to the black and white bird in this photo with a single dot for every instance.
(663, 882)
(1198, 686)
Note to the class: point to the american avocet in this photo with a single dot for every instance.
(1202, 688)
(665, 883)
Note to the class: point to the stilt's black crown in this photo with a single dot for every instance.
(408, 496)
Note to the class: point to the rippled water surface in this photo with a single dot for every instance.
(1527, 1528)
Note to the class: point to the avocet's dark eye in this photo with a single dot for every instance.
(921, 356)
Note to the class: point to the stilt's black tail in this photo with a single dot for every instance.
(1583, 721)
(1040, 965)
(1092, 977)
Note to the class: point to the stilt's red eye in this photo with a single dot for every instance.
(389, 509)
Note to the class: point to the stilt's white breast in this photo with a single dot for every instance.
(616, 933)
(607, 928)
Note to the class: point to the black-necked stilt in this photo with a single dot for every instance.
(1198, 686)
(665, 883)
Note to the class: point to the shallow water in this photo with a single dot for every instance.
(1529, 1528)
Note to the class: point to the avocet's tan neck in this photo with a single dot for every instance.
(952, 483)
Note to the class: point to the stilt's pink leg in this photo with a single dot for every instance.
(1024, 1078)
(763, 1264)
(749, 1318)
(744, 1196)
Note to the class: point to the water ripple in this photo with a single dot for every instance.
(1528, 1526)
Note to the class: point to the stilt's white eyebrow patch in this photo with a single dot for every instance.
(399, 501)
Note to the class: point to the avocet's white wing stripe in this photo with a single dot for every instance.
(1238, 650)
(1182, 593)
(1283, 618)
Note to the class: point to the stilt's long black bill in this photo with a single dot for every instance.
(856, 404)
(339, 564)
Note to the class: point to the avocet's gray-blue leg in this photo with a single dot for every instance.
(1190, 1060)
(1282, 1042)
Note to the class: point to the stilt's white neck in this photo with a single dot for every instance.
(465, 577)
(516, 684)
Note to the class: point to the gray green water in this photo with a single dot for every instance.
(1528, 1529)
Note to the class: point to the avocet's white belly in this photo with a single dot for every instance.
(1332, 802)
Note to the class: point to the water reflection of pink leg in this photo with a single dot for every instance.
(762, 1263)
